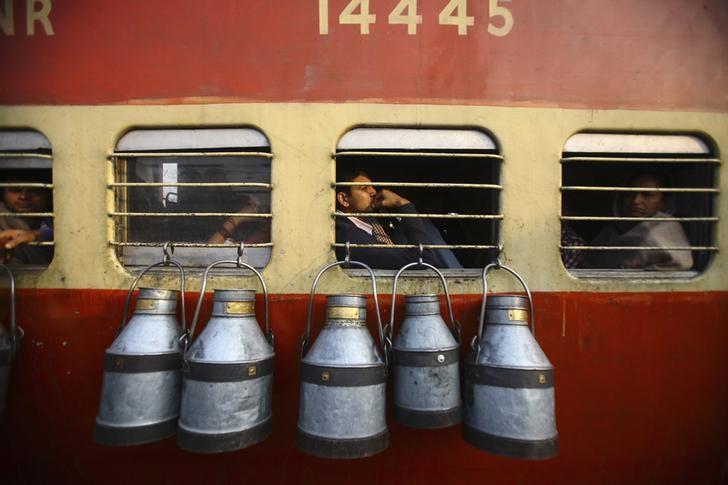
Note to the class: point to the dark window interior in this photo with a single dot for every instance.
(392, 168)
(616, 173)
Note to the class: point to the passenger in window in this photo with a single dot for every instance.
(664, 234)
(16, 231)
(369, 230)
(251, 230)
(571, 258)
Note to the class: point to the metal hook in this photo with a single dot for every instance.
(241, 250)
(347, 259)
(419, 261)
(168, 250)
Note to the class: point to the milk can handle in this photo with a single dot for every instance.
(16, 333)
(307, 336)
(239, 264)
(455, 327)
(166, 261)
(497, 265)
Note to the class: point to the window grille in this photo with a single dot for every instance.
(202, 189)
(451, 176)
(26, 168)
(605, 229)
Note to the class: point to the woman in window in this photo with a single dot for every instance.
(16, 231)
(660, 234)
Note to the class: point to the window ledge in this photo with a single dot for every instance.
(415, 273)
(632, 274)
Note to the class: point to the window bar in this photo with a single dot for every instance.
(640, 248)
(31, 185)
(415, 246)
(417, 154)
(191, 214)
(418, 216)
(189, 184)
(637, 219)
(25, 155)
(27, 214)
(639, 160)
(40, 243)
(592, 188)
(113, 156)
(420, 184)
(186, 244)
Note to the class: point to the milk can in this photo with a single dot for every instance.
(140, 393)
(426, 361)
(9, 341)
(228, 373)
(342, 410)
(509, 381)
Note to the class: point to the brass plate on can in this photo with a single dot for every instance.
(343, 313)
(325, 376)
(520, 315)
(240, 307)
(252, 370)
(145, 304)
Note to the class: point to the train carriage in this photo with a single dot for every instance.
(506, 122)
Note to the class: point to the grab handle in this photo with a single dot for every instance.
(307, 336)
(166, 261)
(16, 333)
(475, 344)
(239, 264)
(454, 325)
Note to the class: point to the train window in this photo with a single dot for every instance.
(201, 189)
(398, 188)
(637, 203)
(26, 212)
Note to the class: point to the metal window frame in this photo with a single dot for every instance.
(421, 143)
(145, 146)
(25, 149)
(653, 149)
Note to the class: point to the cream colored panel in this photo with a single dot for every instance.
(303, 137)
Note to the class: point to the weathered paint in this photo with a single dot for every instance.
(647, 54)
(303, 137)
(640, 397)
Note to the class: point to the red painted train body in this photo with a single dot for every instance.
(641, 391)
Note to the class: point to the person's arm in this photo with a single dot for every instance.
(12, 238)
(228, 227)
(377, 258)
(668, 234)
(381, 258)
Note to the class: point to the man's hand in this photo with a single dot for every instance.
(12, 238)
(386, 199)
(249, 208)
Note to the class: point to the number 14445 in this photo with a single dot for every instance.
(405, 13)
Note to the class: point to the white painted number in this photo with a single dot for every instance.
(411, 20)
(496, 10)
(362, 18)
(356, 12)
(461, 18)
(324, 17)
